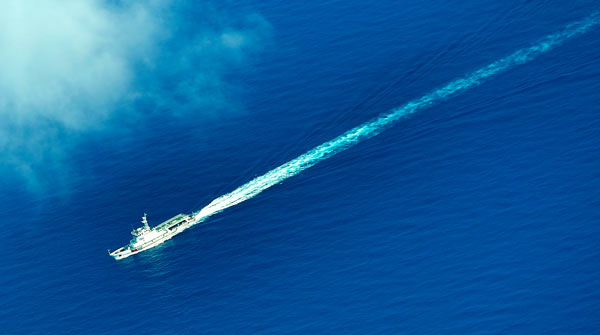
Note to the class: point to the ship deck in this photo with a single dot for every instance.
(171, 222)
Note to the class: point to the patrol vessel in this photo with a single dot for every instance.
(145, 237)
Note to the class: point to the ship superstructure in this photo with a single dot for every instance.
(146, 237)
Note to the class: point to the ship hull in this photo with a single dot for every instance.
(160, 234)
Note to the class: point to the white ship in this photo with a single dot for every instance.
(145, 237)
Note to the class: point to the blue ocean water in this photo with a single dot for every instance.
(477, 215)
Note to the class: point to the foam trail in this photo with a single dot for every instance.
(385, 120)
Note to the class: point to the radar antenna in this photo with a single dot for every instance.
(145, 221)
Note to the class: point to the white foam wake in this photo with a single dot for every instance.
(380, 123)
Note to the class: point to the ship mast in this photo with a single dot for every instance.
(145, 222)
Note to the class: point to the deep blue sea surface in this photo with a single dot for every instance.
(479, 215)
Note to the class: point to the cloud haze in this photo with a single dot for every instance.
(67, 66)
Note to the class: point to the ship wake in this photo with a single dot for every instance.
(385, 120)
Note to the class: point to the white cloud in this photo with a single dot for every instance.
(66, 66)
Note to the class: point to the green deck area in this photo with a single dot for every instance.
(174, 220)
